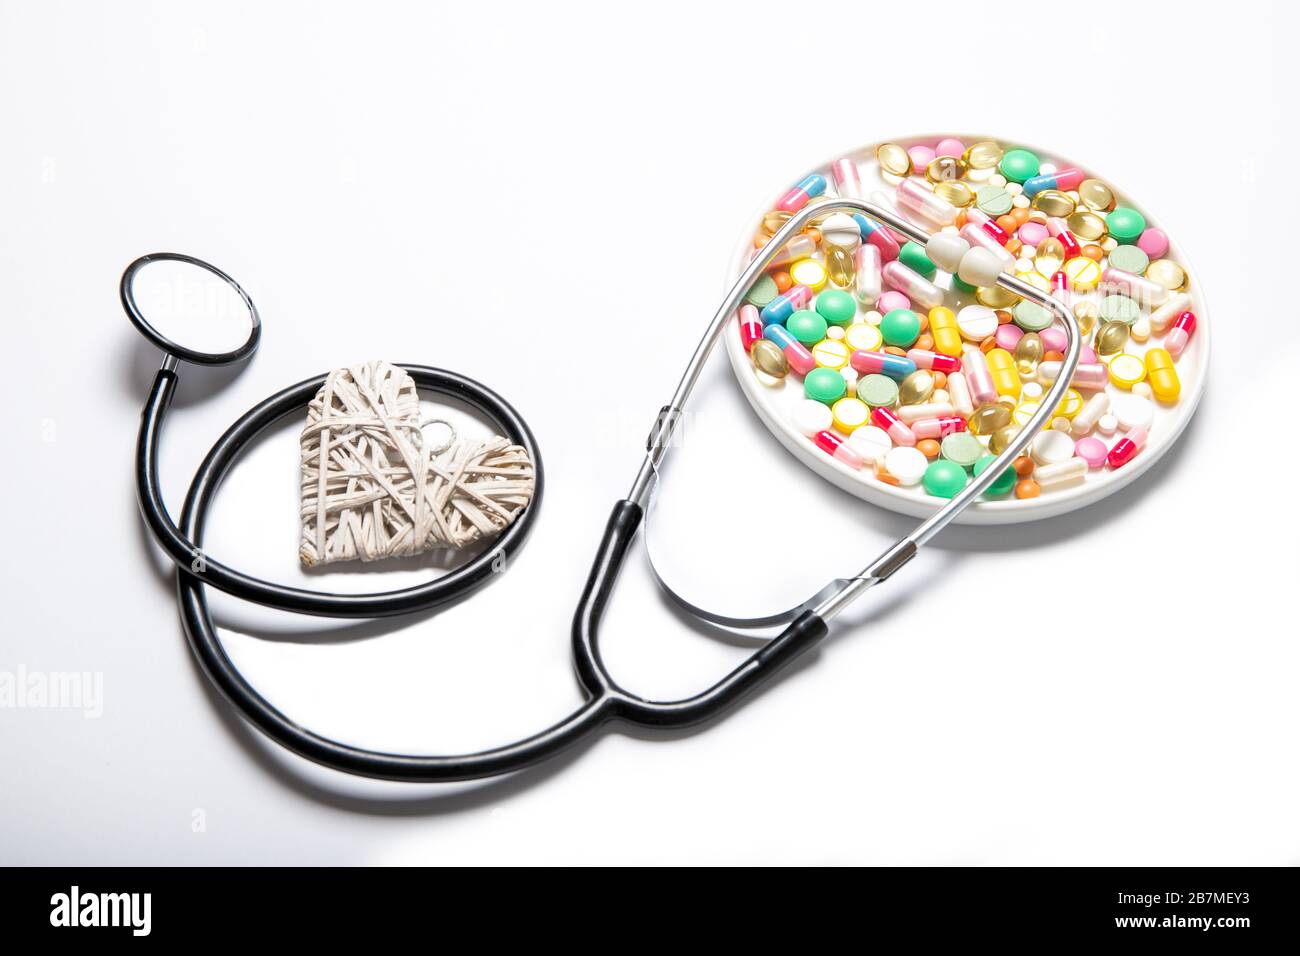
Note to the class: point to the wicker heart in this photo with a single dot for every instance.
(371, 486)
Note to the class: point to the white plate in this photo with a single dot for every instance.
(773, 405)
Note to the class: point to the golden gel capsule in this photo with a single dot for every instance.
(1029, 352)
(943, 326)
(839, 265)
(1002, 367)
(1161, 375)
(988, 419)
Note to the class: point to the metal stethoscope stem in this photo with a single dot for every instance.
(906, 547)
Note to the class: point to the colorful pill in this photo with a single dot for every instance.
(914, 413)
(1135, 287)
(1064, 180)
(882, 363)
(1090, 414)
(1057, 229)
(751, 326)
(1162, 376)
(837, 448)
(938, 427)
(1174, 306)
(1091, 377)
(801, 192)
(1002, 369)
(799, 247)
(786, 304)
(976, 370)
(893, 426)
(844, 172)
(945, 331)
(1183, 328)
(1061, 475)
(988, 225)
(959, 394)
(934, 361)
(866, 270)
(915, 286)
(1127, 447)
(878, 236)
(800, 358)
(932, 210)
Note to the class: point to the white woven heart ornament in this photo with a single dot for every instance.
(372, 487)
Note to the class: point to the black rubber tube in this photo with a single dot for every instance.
(605, 699)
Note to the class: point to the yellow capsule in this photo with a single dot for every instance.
(1086, 312)
(1087, 225)
(863, 337)
(830, 353)
(1049, 256)
(1083, 273)
(1003, 437)
(955, 192)
(1111, 339)
(996, 297)
(943, 327)
(809, 272)
(1002, 368)
(988, 418)
(850, 413)
(983, 155)
(1029, 352)
(1161, 375)
(839, 265)
(916, 388)
(769, 359)
(945, 169)
(893, 159)
(1053, 202)
(1096, 195)
(1167, 273)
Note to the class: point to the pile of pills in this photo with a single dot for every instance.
(904, 370)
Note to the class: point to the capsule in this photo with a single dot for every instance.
(1161, 375)
(1176, 340)
(1127, 447)
(1057, 229)
(959, 393)
(1111, 338)
(799, 247)
(976, 236)
(988, 225)
(1174, 306)
(1002, 369)
(933, 360)
(1029, 352)
(751, 326)
(989, 418)
(866, 274)
(839, 265)
(945, 331)
(882, 417)
(800, 359)
(1135, 287)
(932, 210)
(786, 304)
(938, 427)
(838, 448)
(878, 236)
(915, 286)
(1090, 414)
(1060, 284)
(978, 379)
(1061, 474)
(882, 363)
(914, 413)
(1062, 179)
(1091, 377)
(916, 388)
(801, 192)
(844, 172)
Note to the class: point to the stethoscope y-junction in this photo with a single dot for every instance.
(606, 699)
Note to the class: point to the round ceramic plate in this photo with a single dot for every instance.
(775, 403)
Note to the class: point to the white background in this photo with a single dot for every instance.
(545, 197)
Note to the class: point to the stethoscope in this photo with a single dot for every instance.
(606, 699)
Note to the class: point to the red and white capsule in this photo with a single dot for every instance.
(893, 426)
(1183, 328)
(1058, 230)
(838, 448)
